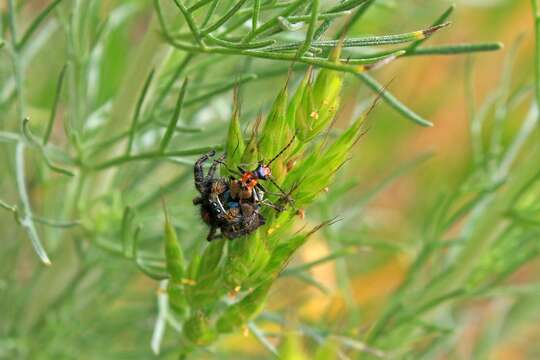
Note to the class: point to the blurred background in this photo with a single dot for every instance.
(356, 286)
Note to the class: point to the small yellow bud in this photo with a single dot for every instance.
(189, 282)
(419, 35)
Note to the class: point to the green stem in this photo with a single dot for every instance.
(365, 41)
(50, 125)
(137, 113)
(199, 5)
(174, 120)
(488, 226)
(274, 20)
(393, 101)
(311, 29)
(455, 49)
(151, 155)
(27, 221)
(190, 21)
(360, 11)
(35, 24)
(256, 15)
(270, 56)
(223, 19)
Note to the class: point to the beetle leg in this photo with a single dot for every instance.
(271, 205)
(211, 233)
(213, 168)
(198, 172)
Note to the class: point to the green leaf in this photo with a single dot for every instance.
(138, 109)
(393, 101)
(174, 255)
(35, 24)
(174, 119)
(275, 133)
(235, 140)
(50, 125)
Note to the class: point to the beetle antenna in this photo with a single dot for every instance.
(285, 195)
(226, 166)
(282, 150)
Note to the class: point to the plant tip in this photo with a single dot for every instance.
(428, 32)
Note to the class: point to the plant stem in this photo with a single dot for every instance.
(27, 221)
(393, 101)
(270, 56)
(151, 155)
(50, 125)
(488, 226)
(311, 29)
(190, 21)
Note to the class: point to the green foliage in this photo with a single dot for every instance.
(99, 121)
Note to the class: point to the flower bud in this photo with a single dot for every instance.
(235, 316)
(197, 329)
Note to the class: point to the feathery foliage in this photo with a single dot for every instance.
(97, 127)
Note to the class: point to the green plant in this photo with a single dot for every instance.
(130, 126)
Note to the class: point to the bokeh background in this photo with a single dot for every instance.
(358, 284)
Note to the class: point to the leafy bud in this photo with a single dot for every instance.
(276, 133)
(238, 314)
(211, 256)
(317, 171)
(297, 110)
(251, 152)
(235, 140)
(205, 289)
(239, 261)
(197, 329)
(173, 252)
(326, 99)
(177, 298)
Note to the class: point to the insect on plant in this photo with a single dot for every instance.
(102, 121)
(248, 184)
(236, 218)
(232, 205)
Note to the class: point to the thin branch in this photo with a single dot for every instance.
(311, 28)
(26, 221)
(151, 155)
(35, 24)
(223, 19)
(174, 119)
(136, 115)
(364, 41)
(190, 21)
(393, 101)
(50, 124)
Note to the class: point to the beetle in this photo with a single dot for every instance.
(248, 184)
(218, 209)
